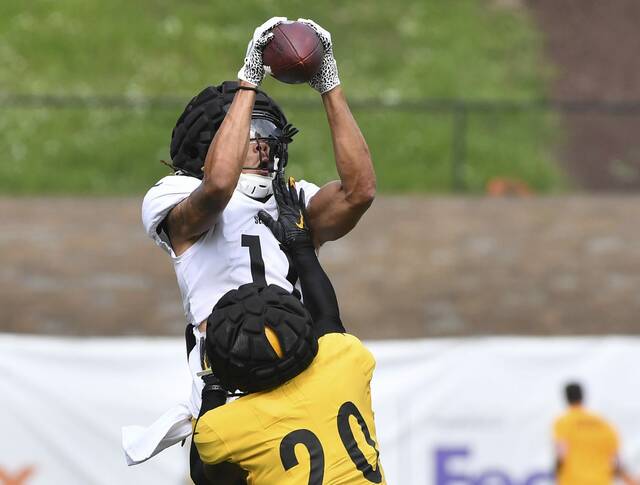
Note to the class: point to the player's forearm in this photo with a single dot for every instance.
(621, 473)
(317, 290)
(353, 159)
(228, 150)
(558, 466)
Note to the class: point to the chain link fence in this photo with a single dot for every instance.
(456, 145)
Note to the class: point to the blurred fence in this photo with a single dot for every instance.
(598, 131)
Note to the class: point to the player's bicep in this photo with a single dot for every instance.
(560, 442)
(561, 448)
(331, 214)
(192, 217)
(560, 431)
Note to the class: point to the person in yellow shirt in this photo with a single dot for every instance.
(305, 416)
(586, 445)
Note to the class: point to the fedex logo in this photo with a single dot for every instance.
(448, 465)
(19, 477)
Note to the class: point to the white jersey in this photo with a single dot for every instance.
(238, 249)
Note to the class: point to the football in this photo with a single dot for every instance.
(294, 53)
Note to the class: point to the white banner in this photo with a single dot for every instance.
(448, 411)
(63, 403)
(480, 411)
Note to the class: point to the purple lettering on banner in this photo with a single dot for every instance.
(493, 477)
(539, 478)
(443, 475)
(446, 476)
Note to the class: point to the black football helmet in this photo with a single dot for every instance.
(203, 115)
(258, 338)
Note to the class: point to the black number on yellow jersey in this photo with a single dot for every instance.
(347, 410)
(316, 453)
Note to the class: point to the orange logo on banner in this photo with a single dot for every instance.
(20, 478)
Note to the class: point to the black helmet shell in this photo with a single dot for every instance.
(200, 120)
(237, 346)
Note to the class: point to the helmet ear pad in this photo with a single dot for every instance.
(201, 118)
(240, 331)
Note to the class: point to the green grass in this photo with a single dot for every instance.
(391, 51)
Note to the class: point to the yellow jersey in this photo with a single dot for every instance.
(317, 428)
(589, 446)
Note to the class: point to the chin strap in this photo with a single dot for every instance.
(254, 185)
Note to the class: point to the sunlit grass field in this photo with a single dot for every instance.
(389, 54)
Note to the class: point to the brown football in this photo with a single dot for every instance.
(294, 53)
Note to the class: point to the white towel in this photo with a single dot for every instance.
(140, 443)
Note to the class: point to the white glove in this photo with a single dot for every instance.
(327, 76)
(253, 69)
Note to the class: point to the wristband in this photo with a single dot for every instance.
(248, 88)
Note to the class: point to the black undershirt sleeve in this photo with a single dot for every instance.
(317, 290)
(222, 473)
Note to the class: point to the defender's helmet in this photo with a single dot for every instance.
(203, 115)
(259, 338)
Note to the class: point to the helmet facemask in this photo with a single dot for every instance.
(265, 129)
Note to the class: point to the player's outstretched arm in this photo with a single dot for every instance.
(338, 206)
(294, 234)
(198, 213)
(228, 150)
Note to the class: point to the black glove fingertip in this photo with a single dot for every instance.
(286, 194)
(278, 184)
(302, 199)
(293, 193)
(265, 218)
